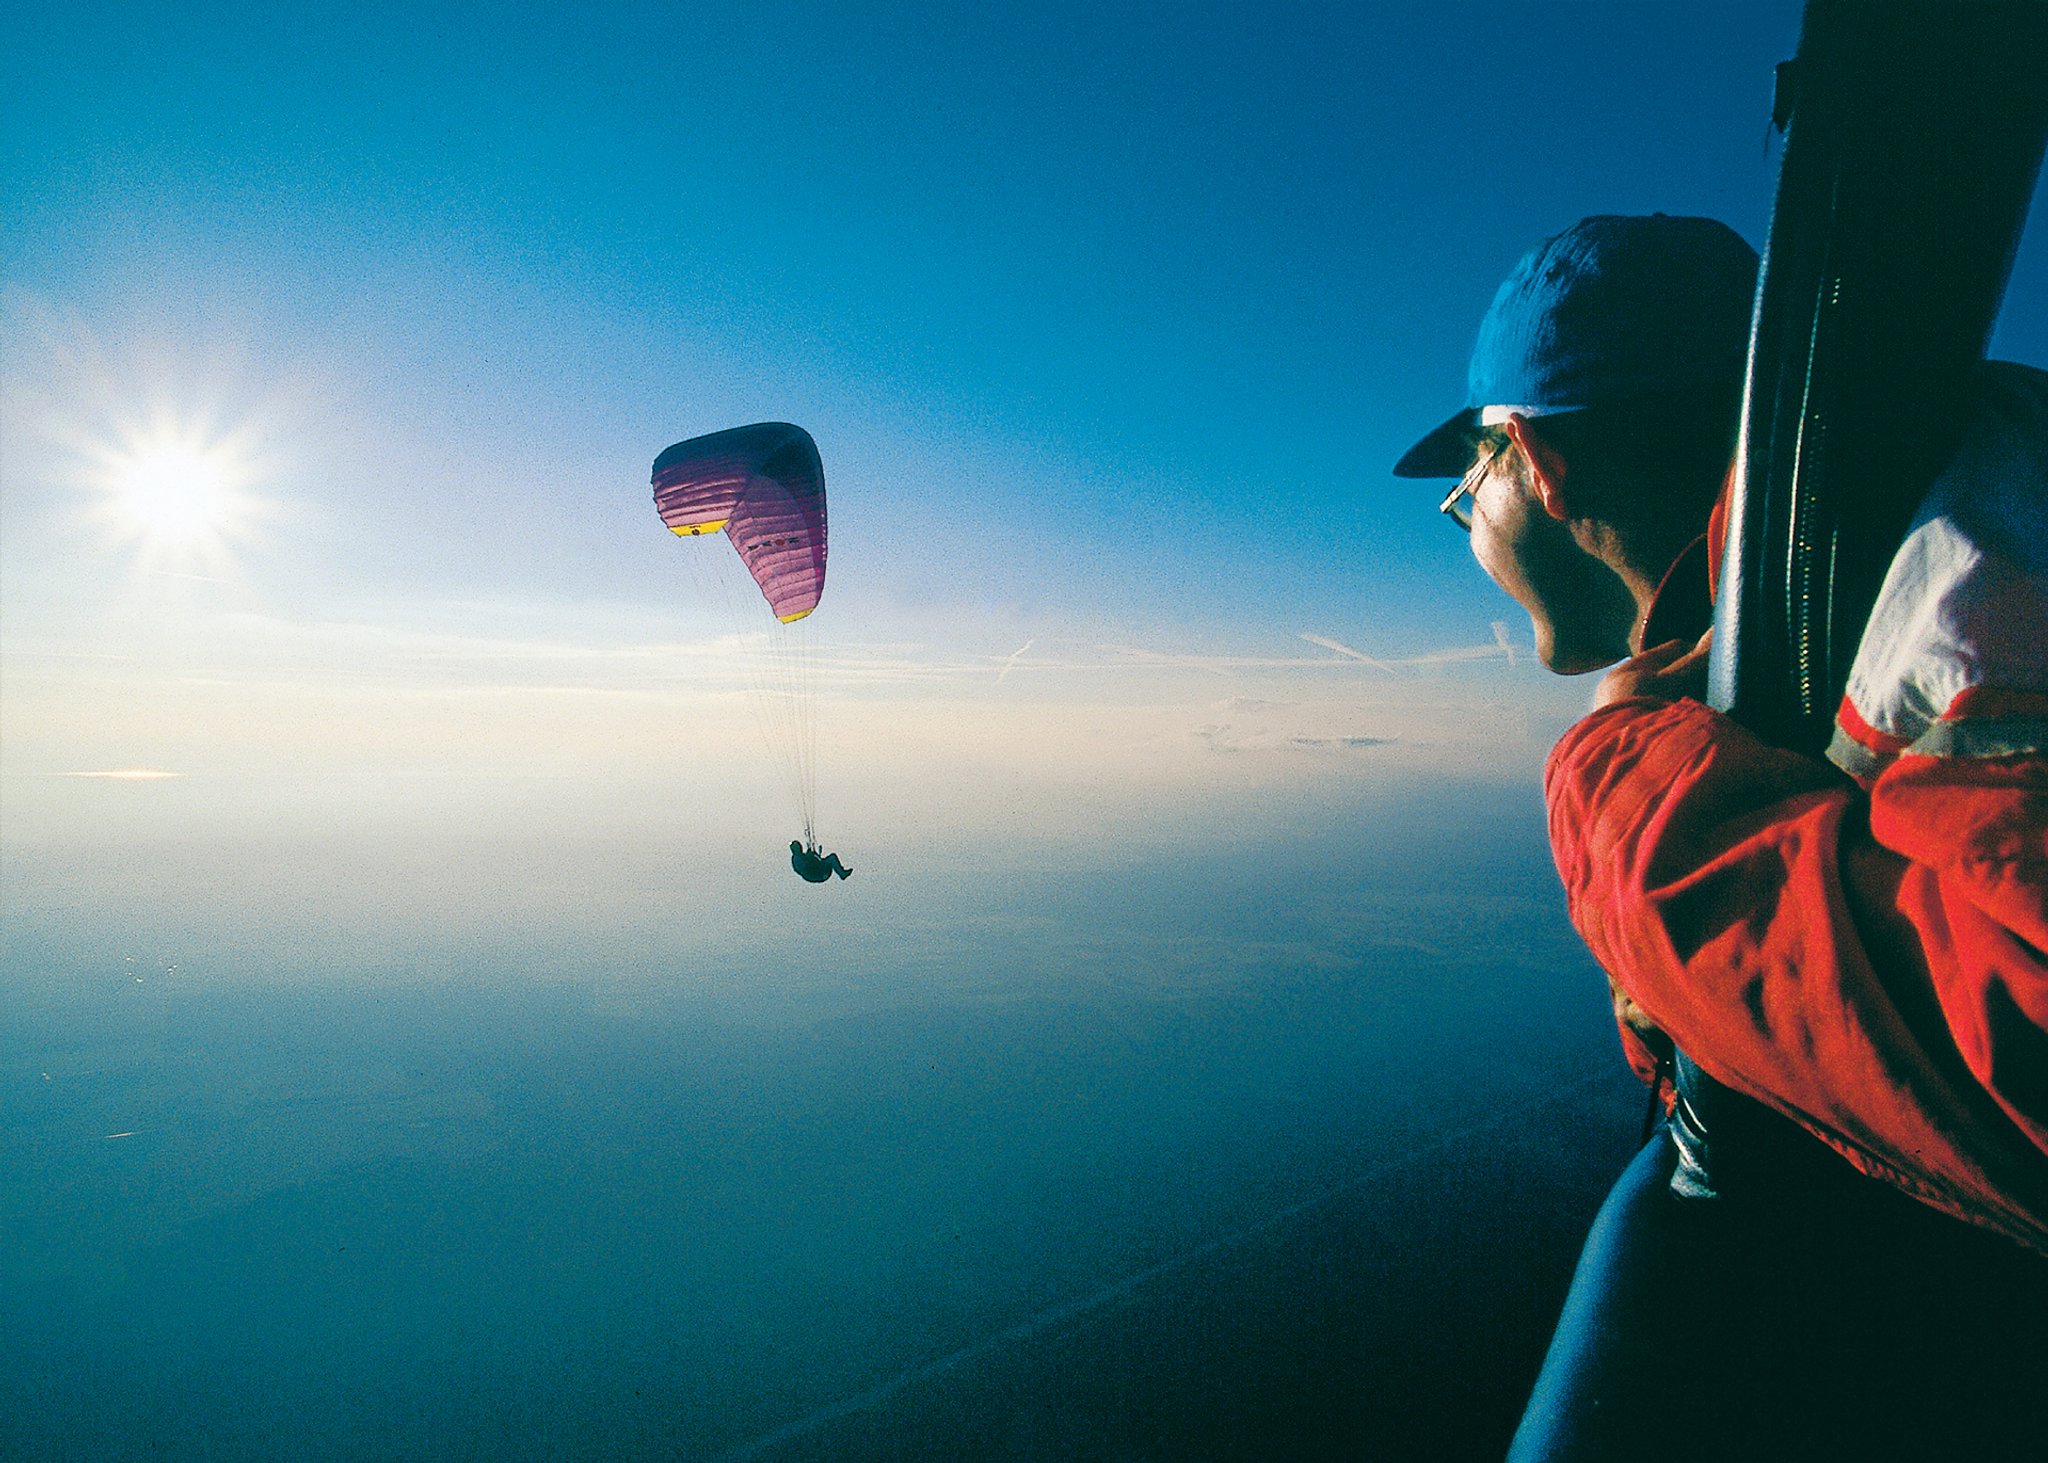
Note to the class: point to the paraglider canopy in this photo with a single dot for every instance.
(764, 487)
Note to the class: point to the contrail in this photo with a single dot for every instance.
(1015, 655)
(1343, 649)
(1500, 636)
(1119, 1290)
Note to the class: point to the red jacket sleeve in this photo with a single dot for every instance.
(1869, 964)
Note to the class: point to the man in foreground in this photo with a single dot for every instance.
(1856, 949)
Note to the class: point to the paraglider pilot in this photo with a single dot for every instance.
(814, 867)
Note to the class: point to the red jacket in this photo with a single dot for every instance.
(1862, 946)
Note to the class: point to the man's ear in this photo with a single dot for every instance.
(1546, 466)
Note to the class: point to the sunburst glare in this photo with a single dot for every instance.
(163, 444)
(174, 492)
(181, 489)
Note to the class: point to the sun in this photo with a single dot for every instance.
(174, 491)
(181, 491)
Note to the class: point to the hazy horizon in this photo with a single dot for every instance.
(541, 1196)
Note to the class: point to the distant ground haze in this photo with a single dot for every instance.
(1282, 1151)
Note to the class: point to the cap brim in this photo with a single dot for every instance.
(1444, 453)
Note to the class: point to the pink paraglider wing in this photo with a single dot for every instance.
(765, 487)
(778, 527)
(698, 482)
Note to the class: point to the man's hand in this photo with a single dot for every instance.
(1636, 1021)
(1670, 672)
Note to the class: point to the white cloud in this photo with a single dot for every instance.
(1229, 738)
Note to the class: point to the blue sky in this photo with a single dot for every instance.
(1108, 321)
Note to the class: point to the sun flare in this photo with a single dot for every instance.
(174, 491)
(181, 492)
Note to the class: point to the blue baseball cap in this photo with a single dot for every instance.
(1613, 308)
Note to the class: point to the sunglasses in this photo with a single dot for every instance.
(1458, 503)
